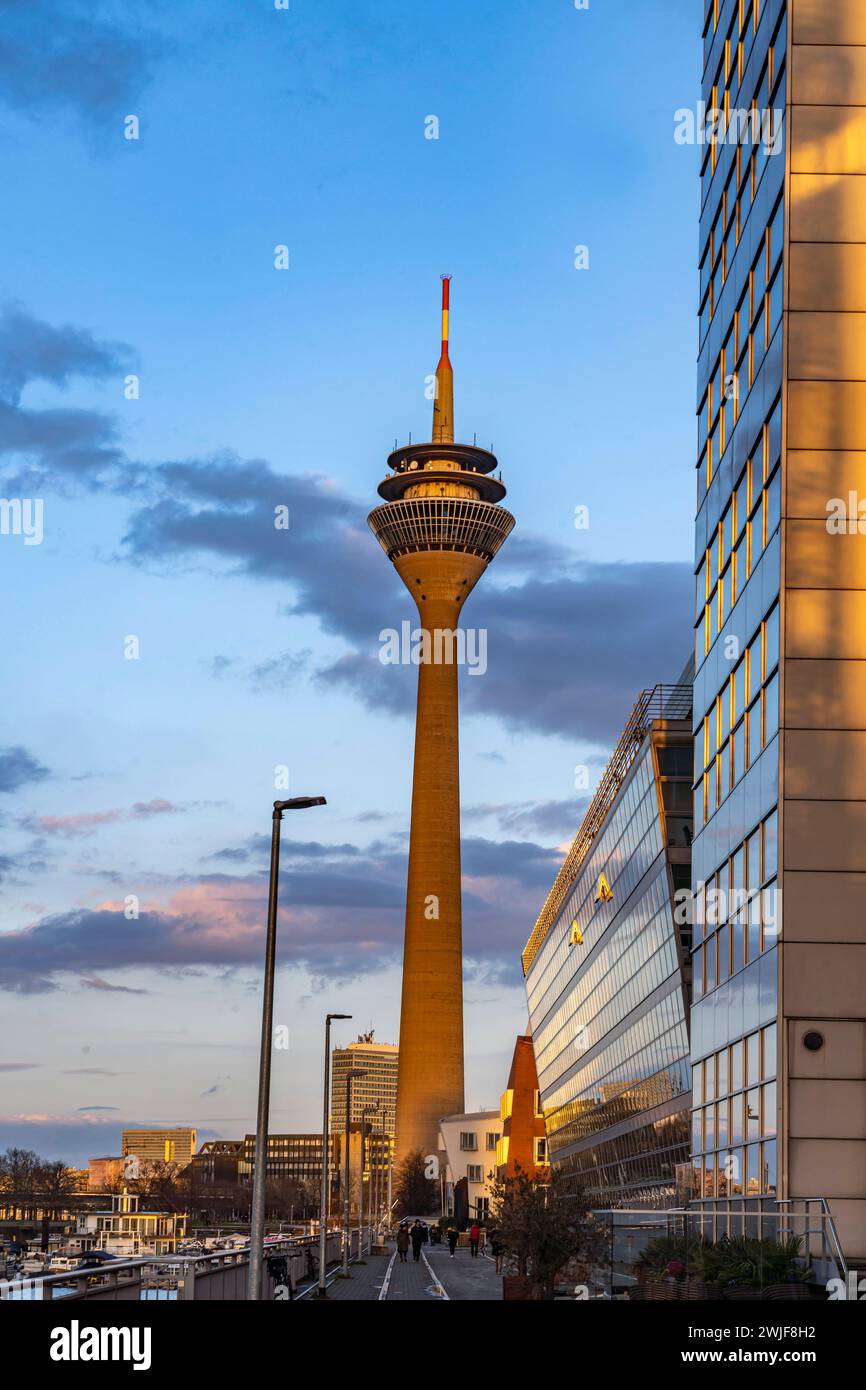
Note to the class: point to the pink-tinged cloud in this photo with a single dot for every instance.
(341, 916)
(86, 822)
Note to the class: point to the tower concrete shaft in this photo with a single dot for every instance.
(440, 525)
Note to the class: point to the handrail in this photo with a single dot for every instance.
(216, 1257)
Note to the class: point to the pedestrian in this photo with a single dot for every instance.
(474, 1238)
(497, 1249)
(417, 1236)
(453, 1238)
(402, 1242)
(426, 1233)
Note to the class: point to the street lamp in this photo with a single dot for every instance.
(352, 1075)
(324, 1201)
(257, 1213)
(368, 1110)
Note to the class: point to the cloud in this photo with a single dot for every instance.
(71, 55)
(545, 634)
(567, 655)
(571, 642)
(18, 1066)
(344, 918)
(94, 982)
(18, 768)
(89, 1071)
(275, 673)
(56, 445)
(557, 818)
(87, 822)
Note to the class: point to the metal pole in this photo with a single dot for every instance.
(346, 1170)
(374, 1185)
(325, 1188)
(380, 1173)
(353, 1074)
(361, 1191)
(326, 1167)
(368, 1110)
(257, 1213)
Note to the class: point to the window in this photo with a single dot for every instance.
(475, 1172)
(468, 1142)
(541, 1151)
(492, 1140)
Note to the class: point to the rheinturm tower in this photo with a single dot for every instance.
(440, 524)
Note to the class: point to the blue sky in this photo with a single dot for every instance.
(153, 777)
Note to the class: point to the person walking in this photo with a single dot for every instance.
(474, 1239)
(497, 1250)
(417, 1235)
(402, 1243)
(453, 1238)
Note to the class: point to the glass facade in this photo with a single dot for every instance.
(737, 588)
(608, 996)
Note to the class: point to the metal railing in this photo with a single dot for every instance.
(807, 1219)
(212, 1276)
(440, 523)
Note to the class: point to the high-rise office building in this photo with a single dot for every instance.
(159, 1145)
(291, 1158)
(378, 1087)
(606, 970)
(779, 857)
(440, 525)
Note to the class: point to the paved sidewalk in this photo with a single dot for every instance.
(465, 1279)
(364, 1282)
(413, 1280)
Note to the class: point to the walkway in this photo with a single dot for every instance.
(434, 1278)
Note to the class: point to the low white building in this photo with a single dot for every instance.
(125, 1230)
(467, 1163)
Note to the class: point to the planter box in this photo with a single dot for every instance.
(516, 1287)
(665, 1292)
(698, 1290)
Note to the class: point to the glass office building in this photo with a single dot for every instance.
(606, 971)
(778, 1026)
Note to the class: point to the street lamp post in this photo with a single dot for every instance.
(378, 1188)
(324, 1190)
(257, 1212)
(374, 1170)
(352, 1075)
(368, 1110)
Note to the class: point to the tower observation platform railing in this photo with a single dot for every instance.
(441, 523)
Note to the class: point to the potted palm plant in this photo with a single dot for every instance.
(751, 1267)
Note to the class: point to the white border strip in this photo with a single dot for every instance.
(443, 1292)
(383, 1292)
